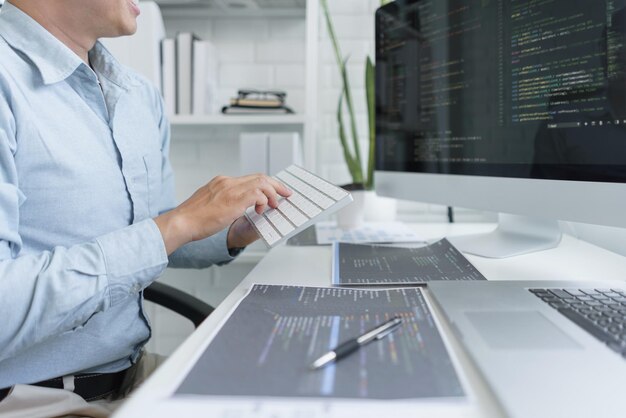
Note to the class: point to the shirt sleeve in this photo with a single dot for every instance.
(48, 293)
(198, 254)
(203, 253)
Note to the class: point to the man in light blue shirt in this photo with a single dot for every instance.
(87, 210)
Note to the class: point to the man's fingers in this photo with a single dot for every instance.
(264, 185)
(261, 201)
(278, 186)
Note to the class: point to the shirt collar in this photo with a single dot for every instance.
(105, 65)
(54, 60)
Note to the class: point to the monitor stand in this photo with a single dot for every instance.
(515, 235)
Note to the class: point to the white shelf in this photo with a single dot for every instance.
(233, 8)
(236, 120)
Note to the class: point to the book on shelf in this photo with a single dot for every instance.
(204, 78)
(249, 110)
(247, 102)
(168, 64)
(259, 98)
(258, 102)
(184, 71)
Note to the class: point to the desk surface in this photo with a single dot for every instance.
(311, 266)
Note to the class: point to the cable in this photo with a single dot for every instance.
(450, 214)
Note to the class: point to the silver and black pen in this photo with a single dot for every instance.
(350, 346)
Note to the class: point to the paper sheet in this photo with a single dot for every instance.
(328, 232)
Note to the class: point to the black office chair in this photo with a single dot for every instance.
(178, 301)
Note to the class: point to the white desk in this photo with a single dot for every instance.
(310, 266)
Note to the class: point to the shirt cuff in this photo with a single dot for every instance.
(228, 255)
(134, 257)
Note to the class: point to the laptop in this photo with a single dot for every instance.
(546, 348)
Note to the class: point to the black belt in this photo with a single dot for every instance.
(4, 393)
(90, 387)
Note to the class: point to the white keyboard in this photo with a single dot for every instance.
(311, 197)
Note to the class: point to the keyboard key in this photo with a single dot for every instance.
(291, 213)
(254, 217)
(280, 223)
(574, 292)
(331, 190)
(315, 196)
(617, 346)
(267, 231)
(304, 205)
(587, 325)
(560, 293)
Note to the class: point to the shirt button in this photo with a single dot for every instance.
(136, 288)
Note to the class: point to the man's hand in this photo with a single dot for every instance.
(218, 205)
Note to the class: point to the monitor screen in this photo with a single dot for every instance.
(506, 88)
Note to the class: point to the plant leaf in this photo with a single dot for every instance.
(331, 32)
(349, 104)
(354, 164)
(353, 167)
(371, 119)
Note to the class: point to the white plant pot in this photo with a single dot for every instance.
(353, 215)
(380, 209)
(366, 207)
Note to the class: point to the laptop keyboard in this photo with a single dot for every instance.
(600, 312)
(311, 198)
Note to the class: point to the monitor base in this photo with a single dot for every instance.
(515, 235)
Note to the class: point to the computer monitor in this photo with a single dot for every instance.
(516, 107)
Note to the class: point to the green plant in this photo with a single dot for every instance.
(352, 154)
